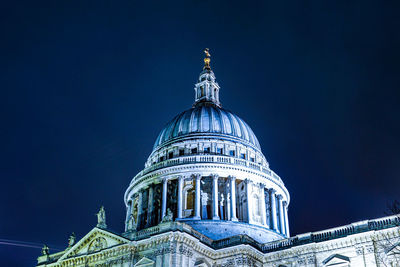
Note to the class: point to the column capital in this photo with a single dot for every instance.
(196, 176)
(285, 203)
(272, 191)
(214, 176)
(247, 181)
(261, 185)
(180, 177)
(231, 177)
(280, 197)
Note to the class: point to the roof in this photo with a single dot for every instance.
(207, 119)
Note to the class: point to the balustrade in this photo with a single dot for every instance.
(208, 159)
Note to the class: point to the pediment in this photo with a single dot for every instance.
(336, 260)
(144, 262)
(96, 240)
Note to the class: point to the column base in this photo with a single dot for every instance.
(216, 218)
(196, 218)
(234, 220)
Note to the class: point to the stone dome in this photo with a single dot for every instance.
(209, 120)
(207, 171)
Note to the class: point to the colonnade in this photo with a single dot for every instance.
(257, 204)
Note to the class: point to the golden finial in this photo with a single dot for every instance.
(207, 59)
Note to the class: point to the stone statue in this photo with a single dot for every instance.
(131, 225)
(101, 218)
(168, 217)
(45, 250)
(71, 240)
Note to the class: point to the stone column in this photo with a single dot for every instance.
(222, 216)
(281, 218)
(164, 198)
(128, 213)
(273, 210)
(204, 200)
(233, 216)
(197, 207)
(248, 196)
(228, 206)
(139, 216)
(215, 197)
(285, 209)
(180, 196)
(150, 206)
(262, 206)
(267, 200)
(129, 209)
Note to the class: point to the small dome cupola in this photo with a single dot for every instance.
(206, 89)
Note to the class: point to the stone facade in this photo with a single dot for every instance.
(367, 243)
(208, 197)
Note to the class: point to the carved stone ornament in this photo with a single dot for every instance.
(97, 244)
(168, 217)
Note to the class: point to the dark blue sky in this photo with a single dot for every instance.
(86, 86)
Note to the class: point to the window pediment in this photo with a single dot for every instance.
(337, 260)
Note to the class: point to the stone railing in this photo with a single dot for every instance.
(206, 158)
(312, 237)
(333, 233)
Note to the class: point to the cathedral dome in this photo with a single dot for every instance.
(209, 120)
(207, 171)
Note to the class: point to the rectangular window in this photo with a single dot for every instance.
(162, 158)
(181, 152)
(194, 150)
(171, 155)
(219, 150)
(252, 159)
(232, 153)
(207, 150)
(243, 156)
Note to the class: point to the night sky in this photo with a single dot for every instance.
(86, 87)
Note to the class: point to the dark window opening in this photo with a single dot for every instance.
(171, 155)
(243, 156)
(194, 150)
(207, 150)
(252, 159)
(219, 150)
(232, 153)
(181, 152)
(162, 158)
